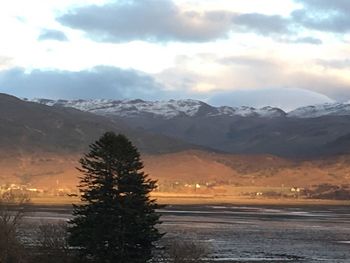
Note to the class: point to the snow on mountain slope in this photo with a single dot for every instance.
(192, 108)
(328, 109)
(163, 109)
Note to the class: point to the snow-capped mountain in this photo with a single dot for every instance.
(327, 109)
(174, 125)
(163, 109)
(192, 108)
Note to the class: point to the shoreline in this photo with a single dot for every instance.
(185, 199)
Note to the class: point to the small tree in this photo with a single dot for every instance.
(11, 214)
(52, 244)
(116, 222)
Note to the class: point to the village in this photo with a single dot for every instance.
(167, 187)
(32, 191)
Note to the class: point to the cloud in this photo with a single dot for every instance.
(286, 99)
(248, 61)
(99, 82)
(249, 73)
(163, 21)
(50, 34)
(336, 6)
(5, 62)
(305, 40)
(335, 63)
(149, 20)
(324, 15)
(247, 81)
(263, 24)
(254, 73)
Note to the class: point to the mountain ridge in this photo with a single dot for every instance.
(164, 109)
(28, 126)
(247, 150)
(192, 108)
(242, 130)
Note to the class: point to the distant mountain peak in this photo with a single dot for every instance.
(161, 109)
(326, 109)
(192, 108)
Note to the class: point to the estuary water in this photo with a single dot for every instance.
(249, 233)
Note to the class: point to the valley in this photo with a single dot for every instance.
(196, 151)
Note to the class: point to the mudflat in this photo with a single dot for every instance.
(248, 233)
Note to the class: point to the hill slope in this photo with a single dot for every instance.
(41, 146)
(32, 127)
(188, 167)
(304, 133)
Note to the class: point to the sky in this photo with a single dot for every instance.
(284, 53)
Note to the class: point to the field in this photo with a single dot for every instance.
(225, 195)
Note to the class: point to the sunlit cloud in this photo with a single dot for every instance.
(5, 62)
(186, 48)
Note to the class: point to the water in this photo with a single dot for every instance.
(251, 234)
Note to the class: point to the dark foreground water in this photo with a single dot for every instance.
(251, 234)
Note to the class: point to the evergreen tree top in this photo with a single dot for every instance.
(118, 217)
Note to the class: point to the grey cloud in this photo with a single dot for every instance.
(306, 40)
(99, 82)
(248, 62)
(335, 64)
(260, 82)
(162, 21)
(324, 15)
(256, 73)
(263, 24)
(325, 83)
(327, 5)
(114, 83)
(150, 20)
(50, 34)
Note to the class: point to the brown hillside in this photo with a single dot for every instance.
(58, 171)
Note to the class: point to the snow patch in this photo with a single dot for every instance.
(327, 109)
(163, 109)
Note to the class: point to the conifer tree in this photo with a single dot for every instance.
(116, 221)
